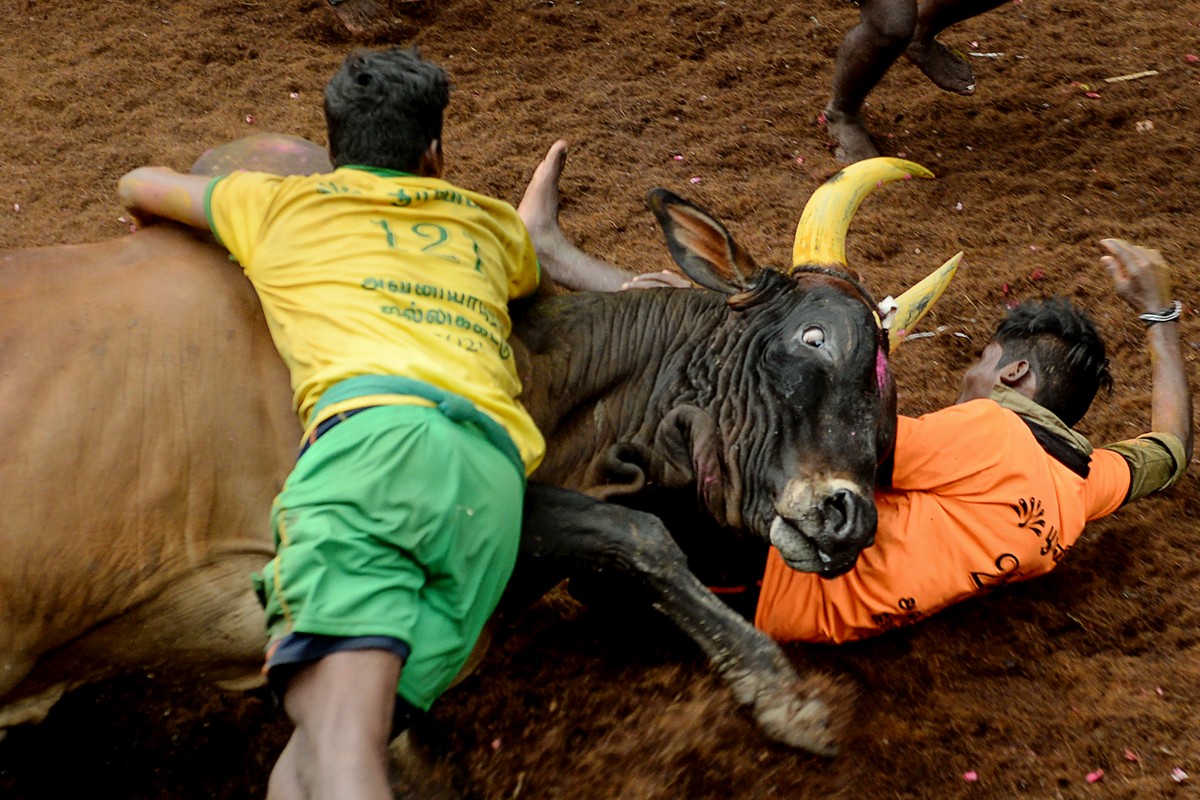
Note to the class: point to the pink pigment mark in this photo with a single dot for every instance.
(706, 475)
(881, 370)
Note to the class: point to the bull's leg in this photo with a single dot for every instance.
(566, 532)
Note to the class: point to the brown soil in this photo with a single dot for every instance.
(1094, 667)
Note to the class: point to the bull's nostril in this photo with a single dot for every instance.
(837, 510)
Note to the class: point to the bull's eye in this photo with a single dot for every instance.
(813, 336)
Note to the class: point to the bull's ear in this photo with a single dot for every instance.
(700, 245)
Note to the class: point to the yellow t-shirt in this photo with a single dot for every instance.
(373, 272)
(975, 503)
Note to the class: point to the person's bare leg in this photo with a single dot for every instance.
(867, 52)
(562, 261)
(289, 777)
(946, 67)
(342, 708)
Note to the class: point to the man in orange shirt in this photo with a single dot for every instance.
(993, 489)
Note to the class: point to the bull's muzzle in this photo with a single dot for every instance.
(822, 526)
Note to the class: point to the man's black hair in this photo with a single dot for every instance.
(1063, 349)
(383, 108)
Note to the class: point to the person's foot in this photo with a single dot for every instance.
(848, 132)
(946, 67)
(539, 205)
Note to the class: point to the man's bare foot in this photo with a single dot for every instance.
(562, 261)
(539, 205)
(850, 135)
(945, 66)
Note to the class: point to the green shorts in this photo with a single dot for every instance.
(397, 522)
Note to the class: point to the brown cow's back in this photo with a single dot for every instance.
(144, 409)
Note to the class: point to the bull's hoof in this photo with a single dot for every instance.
(804, 718)
(277, 153)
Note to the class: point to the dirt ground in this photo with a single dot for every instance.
(1030, 690)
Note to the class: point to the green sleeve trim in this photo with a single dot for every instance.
(208, 190)
(1156, 461)
(380, 171)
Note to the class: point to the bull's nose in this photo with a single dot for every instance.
(850, 518)
(823, 525)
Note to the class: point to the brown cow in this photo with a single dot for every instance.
(149, 424)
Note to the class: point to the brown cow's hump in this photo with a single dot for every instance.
(277, 153)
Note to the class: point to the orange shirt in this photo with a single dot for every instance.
(976, 502)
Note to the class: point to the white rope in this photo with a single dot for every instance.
(1166, 315)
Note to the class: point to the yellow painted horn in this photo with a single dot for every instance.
(913, 304)
(821, 234)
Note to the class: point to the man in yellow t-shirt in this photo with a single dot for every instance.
(385, 289)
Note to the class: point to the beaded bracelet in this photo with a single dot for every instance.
(1166, 315)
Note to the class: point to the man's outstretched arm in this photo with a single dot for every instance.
(152, 193)
(1140, 277)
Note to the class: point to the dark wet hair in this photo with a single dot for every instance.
(383, 108)
(1063, 348)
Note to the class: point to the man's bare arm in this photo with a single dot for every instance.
(158, 192)
(1140, 277)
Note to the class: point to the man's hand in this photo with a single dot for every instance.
(151, 193)
(1139, 275)
(658, 280)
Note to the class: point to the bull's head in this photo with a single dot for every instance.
(808, 412)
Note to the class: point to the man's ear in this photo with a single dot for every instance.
(1020, 376)
(432, 163)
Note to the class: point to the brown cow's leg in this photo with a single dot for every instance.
(567, 531)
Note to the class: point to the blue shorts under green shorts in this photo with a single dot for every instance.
(397, 522)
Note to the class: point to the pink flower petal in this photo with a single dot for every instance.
(1131, 756)
(695, 179)
(677, 157)
(1093, 777)
(970, 776)
(1178, 775)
